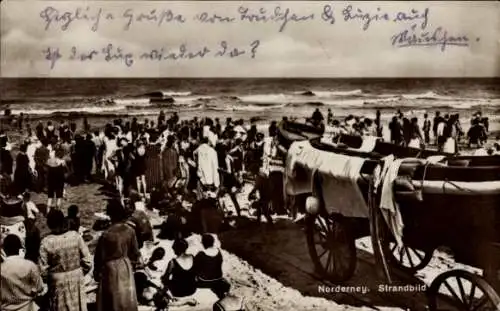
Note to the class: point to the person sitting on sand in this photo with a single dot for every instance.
(180, 277)
(208, 266)
(230, 302)
(139, 220)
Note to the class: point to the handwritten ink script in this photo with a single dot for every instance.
(116, 54)
(411, 27)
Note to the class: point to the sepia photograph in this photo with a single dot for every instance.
(249, 155)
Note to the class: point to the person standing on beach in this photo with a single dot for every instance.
(170, 163)
(6, 160)
(262, 188)
(229, 175)
(153, 166)
(110, 147)
(378, 124)
(329, 116)
(440, 133)
(116, 258)
(437, 119)
(21, 282)
(50, 131)
(97, 139)
(41, 156)
(396, 131)
(416, 139)
(274, 164)
(207, 166)
(64, 261)
(23, 178)
(427, 129)
(89, 152)
(56, 169)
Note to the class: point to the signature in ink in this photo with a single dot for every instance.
(439, 37)
(278, 15)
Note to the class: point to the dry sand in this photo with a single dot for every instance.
(261, 291)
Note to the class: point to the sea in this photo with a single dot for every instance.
(248, 98)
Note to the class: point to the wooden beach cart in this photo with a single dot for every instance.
(413, 202)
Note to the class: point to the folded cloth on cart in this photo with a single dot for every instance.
(388, 177)
(339, 188)
(338, 174)
(301, 162)
(388, 204)
(368, 144)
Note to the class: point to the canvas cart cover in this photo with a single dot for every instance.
(337, 174)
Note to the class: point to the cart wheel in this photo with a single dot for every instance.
(462, 290)
(331, 247)
(407, 259)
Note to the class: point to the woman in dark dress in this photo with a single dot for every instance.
(193, 177)
(125, 158)
(116, 257)
(6, 161)
(180, 277)
(23, 178)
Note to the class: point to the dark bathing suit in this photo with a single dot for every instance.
(183, 282)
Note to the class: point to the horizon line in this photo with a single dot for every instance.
(254, 78)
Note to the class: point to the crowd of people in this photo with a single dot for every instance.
(443, 132)
(147, 164)
(153, 164)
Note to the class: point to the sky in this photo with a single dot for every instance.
(312, 48)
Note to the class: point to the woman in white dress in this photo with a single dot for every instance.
(110, 147)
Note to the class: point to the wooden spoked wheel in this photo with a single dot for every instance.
(403, 257)
(463, 291)
(409, 260)
(331, 247)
